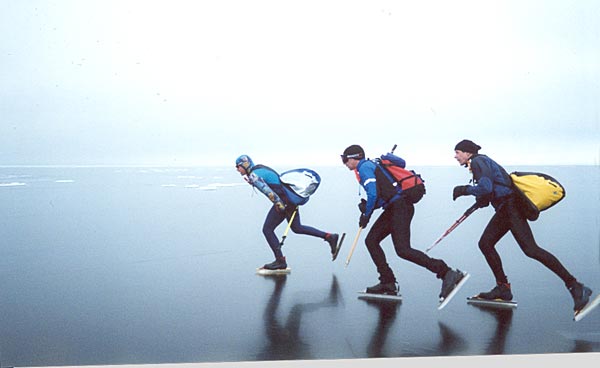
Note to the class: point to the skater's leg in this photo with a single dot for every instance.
(273, 219)
(402, 214)
(494, 231)
(379, 231)
(524, 236)
(522, 233)
(298, 228)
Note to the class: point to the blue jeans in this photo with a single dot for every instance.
(274, 218)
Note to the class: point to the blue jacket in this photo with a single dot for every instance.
(267, 181)
(365, 173)
(491, 182)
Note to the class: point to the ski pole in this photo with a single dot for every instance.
(467, 213)
(288, 227)
(353, 246)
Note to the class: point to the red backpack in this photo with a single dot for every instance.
(408, 182)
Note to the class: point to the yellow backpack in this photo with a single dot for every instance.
(537, 191)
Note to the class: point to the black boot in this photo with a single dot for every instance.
(278, 264)
(581, 295)
(501, 291)
(451, 279)
(388, 288)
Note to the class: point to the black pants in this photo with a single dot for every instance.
(508, 217)
(395, 220)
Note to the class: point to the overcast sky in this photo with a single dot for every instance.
(200, 82)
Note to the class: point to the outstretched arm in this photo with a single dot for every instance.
(483, 177)
(265, 189)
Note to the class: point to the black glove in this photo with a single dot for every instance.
(363, 221)
(482, 202)
(458, 191)
(362, 206)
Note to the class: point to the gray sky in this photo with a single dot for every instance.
(200, 82)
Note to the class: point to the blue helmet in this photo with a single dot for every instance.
(246, 162)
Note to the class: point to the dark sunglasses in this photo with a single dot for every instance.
(345, 158)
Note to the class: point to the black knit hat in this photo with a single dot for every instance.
(354, 151)
(467, 146)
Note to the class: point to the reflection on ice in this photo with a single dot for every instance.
(503, 318)
(387, 315)
(284, 340)
(167, 274)
(13, 184)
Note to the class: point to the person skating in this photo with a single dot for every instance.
(492, 184)
(395, 220)
(268, 181)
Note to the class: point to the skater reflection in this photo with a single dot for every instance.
(387, 314)
(450, 342)
(503, 318)
(586, 342)
(284, 340)
(583, 346)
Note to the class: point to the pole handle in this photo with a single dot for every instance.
(353, 246)
(288, 227)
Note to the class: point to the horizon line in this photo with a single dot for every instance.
(226, 165)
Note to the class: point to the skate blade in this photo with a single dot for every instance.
(492, 303)
(587, 309)
(454, 291)
(388, 297)
(265, 272)
(337, 249)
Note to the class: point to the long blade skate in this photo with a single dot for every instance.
(591, 305)
(460, 284)
(266, 272)
(338, 247)
(388, 297)
(499, 303)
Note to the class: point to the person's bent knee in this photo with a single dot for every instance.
(267, 230)
(297, 229)
(371, 243)
(485, 246)
(534, 252)
(403, 252)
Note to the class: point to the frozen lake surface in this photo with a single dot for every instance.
(106, 266)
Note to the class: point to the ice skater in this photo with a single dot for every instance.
(268, 181)
(492, 184)
(395, 220)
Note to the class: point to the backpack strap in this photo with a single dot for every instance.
(393, 182)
